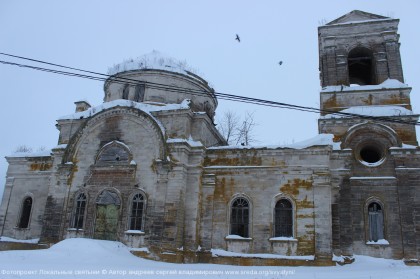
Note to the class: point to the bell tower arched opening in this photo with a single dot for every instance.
(360, 66)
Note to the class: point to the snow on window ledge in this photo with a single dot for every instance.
(379, 242)
(237, 237)
(387, 84)
(374, 111)
(74, 229)
(137, 232)
(282, 239)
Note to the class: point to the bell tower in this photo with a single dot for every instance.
(361, 74)
(359, 48)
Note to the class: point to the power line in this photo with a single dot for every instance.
(177, 89)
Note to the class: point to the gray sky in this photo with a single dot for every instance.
(94, 35)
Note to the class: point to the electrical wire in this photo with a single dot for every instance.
(178, 89)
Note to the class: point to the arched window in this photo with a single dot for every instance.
(239, 217)
(376, 222)
(360, 66)
(79, 212)
(25, 213)
(283, 218)
(115, 153)
(136, 214)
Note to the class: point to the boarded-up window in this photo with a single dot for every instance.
(115, 153)
(283, 218)
(239, 217)
(376, 222)
(25, 213)
(108, 197)
(79, 213)
(136, 214)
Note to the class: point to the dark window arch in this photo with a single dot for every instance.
(376, 222)
(239, 217)
(136, 213)
(79, 212)
(361, 66)
(283, 218)
(25, 213)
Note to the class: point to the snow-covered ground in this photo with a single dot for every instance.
(86, 258)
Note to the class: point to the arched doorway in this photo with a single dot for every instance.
(107, 211)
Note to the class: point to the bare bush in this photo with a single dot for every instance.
(23, 149)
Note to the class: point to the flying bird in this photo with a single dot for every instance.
(281, 62)
(237, 38)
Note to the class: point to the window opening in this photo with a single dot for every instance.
(125, 92)
(370, 154)
(113, 153)
(376, 222)
(139, 93)
(136, 216)
(360, 67)
(239, 219)
(80, 211)
(25, 213)
(283, 219)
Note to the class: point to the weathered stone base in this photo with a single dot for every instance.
(412, 262)
(8, 245)
(206, 257)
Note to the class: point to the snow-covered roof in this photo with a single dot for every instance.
(387, 84)
(153, 60)
(358, 21)
(357, 16)
(147, 108)
(371, 111)
(190, 141)
(321, 139)
(82, 101)
(43, 153)
(126, 103)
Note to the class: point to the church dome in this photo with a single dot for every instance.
(158, 78)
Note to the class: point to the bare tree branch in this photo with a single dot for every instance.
(228, 126)
(245, 131)
(23, 149)
(237, 131)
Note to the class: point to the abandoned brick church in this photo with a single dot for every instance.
(148, 167)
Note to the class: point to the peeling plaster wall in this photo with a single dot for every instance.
(26, 177)
(262, 176)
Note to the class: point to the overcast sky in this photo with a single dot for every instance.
(94, 35)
